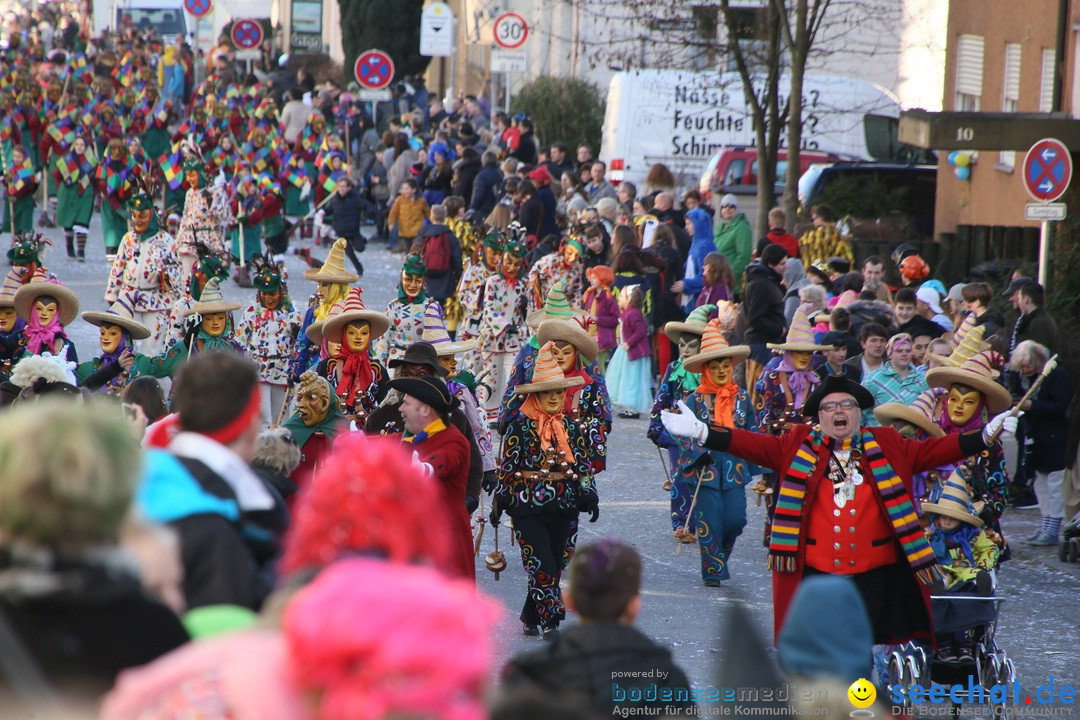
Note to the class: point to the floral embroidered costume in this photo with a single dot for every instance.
(718, 478)
(268, 330)
(206, 210)
(406, 312)
(146, 265)
(544, 481)
(206, 267)
(563, 266)
(470, 290)
(677, 384)
(501, 321)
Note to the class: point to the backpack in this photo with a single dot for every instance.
(435, 252)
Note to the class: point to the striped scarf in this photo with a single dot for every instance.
(787, 522)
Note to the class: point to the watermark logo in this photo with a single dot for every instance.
(862, 694)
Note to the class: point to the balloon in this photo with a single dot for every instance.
(973, 158)
(952, 157)
(963, 173)
(962, 160)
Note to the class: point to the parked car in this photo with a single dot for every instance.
(919, 183)
(734, 170)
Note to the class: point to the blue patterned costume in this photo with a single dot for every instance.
(677, 384)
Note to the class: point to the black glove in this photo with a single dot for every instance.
(490, 482)
(495, 514)
(590, 503)
(471, 503)
(191, 331)
(594, 514)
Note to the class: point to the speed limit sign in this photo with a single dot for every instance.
(510, 31)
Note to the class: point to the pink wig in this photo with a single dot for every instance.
(368, 498)
(373, 640)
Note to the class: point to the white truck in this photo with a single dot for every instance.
(683, 118)
(166, 18)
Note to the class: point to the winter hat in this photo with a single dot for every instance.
(800, 336)
(827, 631)
(729, 199)
(695, 323)
(436, 335)
(547, 374)
(931, 297)
(714, 346)
(555, 306)
(955, 499)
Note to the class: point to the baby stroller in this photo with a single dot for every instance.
(1070, 544)
(988, 664)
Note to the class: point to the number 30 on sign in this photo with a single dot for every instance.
(510, 31)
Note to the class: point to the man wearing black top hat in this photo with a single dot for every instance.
(421, 360)
(845, 504)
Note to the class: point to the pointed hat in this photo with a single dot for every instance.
(333, 270)
(714, 346)
(354, 310)
(556, 305)
(211, 300)
(922, 413)
(547, 375)
(122, 313)
(694, 324)
(435, 333)
(800, 336)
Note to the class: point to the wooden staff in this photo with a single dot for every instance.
(481, 520)
(311, 214)
(1047, 369)
(667, 475)
(690, 513)
(289, 392)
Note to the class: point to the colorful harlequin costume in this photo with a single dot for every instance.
(406, 312)
(544, 481)
(146, 265)
(117, 178)
(73, 173)
(268, 330)
(248, 211)
(718, 478)
(20, 184)
(358, 380)
(677, 384)
(501, 321)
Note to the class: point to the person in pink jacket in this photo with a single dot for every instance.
(629, 376)
(601, 304)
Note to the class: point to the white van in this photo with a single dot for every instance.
(682, 119)
(167, 18)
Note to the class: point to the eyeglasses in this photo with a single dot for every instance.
(733, 207)
(842, 405)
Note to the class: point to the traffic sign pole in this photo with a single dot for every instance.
(1046, 173)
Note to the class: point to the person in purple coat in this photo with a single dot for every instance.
(629, 375)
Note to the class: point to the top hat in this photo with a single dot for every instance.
(122, 313)
(421, 353)
(427, 389)
(837, 384)
(547, 374)
(800, 336)
(714, 346)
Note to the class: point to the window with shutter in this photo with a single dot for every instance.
(969, 72)
(1046, 89)
(1010, 97)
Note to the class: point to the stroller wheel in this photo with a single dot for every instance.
(1063, 551)
(1072, 550)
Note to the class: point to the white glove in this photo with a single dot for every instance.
(1006, 421)
(684, 424)
(427, 468)
(219, 181)
(305, 190)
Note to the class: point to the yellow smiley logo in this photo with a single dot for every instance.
(862, 693)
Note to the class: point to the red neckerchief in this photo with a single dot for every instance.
(580, 372)
(356, 373)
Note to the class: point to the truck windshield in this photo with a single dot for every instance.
(162, 21)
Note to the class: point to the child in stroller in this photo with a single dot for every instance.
(966, 553)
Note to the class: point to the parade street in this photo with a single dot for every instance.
(1039, 626)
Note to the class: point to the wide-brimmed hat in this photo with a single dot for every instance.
(67, 301)
(694, 324)
(354, 310)
(427, 389)
(955, 499)
(122, 313)
(333, 270)
(920, 413)
(211, 300)
(421, 353)
(555, 306)
(800, 336)
(571, 331)
(547, 374)
(436, 335)
(314, 331)
(837, 384)
(979, 372)
(968, 346)
(12, 282)
(714, 346)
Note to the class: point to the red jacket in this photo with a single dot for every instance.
(907, 457)
(448, 452)
(780, 237)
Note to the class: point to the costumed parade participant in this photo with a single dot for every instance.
(845, 504)
(470, 290)
(117, 179)
(268, 331)
(20, 184)
(676, 384)
(11, 325)
(332, 282)
(207, 266)
(461, 385)
(74, 172)
(24, 255)
(358, 380)
(314, 425)
(46, 307)
(544, 481)
(214, 331)
(245, 238)
(503, 313)
(406, 312)
(563, 266)
(206, 210)
(119, 331)
(146, 266)
(444, 452)
(716, 478)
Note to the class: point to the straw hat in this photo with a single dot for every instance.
(955, 500)
(67, 301)
(800, 336)
(694, 324)
(354, 310)
(211, 300)
(436, 335)
(547, 375)
(920, 413)
(979, 373)
(333, 270)
(714, 346)
(122, 313)
(12, 282)
(555, 306)
(315, 330)
(967, 347)
(572, 332)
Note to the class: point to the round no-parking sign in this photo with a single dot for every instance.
(374, 69)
